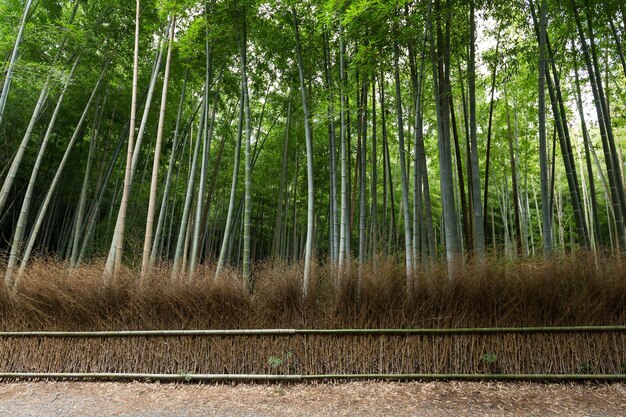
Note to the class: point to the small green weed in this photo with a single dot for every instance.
(276, 362)
(185, 374)
(489, 358)
(585, 368)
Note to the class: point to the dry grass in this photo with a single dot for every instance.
(349, 399)
(563, 291)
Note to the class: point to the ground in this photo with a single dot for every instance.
(347, 399)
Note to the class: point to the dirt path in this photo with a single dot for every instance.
(357, 398)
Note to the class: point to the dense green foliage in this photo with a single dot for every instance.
(408, 79)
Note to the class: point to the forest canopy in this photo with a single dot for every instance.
(219, 132)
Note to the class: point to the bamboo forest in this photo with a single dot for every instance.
(216, 163)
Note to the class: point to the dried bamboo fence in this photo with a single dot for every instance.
(545, 353)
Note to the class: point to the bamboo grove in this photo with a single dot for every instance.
(221, 133)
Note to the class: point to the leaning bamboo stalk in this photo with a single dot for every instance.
(14, 55)
(20, 229)
(55, 181)
(19, 154)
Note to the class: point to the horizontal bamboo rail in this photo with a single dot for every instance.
(301, 378)
(287, 332)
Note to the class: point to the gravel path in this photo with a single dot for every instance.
(348, 399)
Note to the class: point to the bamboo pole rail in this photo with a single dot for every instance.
(301, 378)
(287, 332)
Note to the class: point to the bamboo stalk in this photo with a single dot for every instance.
(271, 377)
(148, 377)
(471, 377)
(269, 332)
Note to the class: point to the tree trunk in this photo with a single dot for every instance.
(115, 256)
(168, 177)
(206, 149)
(17, 159)
(403, 172)
(441, 74)
(224, 251)
(459, 170)
(362, 177)
(309, 162)
(147, 244)
(13, 60)
(20, 228)
(604, 123)
(344, 236)
(489, 131)
(587, 144)
(516, 211)
(374, 199)
(51, 189)
(184, 222)
(82, 200)
(543, 153)
(247, 207)
(334, 216)
(560, 121)
(282, 203)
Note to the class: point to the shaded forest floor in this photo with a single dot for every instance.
(345, 399)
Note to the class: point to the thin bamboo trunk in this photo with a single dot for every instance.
(117, 242)
(226, 241)
(147, 244)
(278, 222)
(441, 74)
(198, 225)
(516, 206)
(20, 229)
(461, 182)
(13, 60)
(363, 179)
(374, 232)
(587, 144)
(168, 177)
(604, 121)
(408, 255)
(247, 207)
(17, 159)
(543, 154)
(344, 236)
(115, 256)
(489, 133)
(332, 157)
(95, 208)
(55, 181)
(82, 200)
(181, 242)
(309, 161)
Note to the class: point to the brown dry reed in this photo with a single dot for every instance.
(576, 290)
(573, 290)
